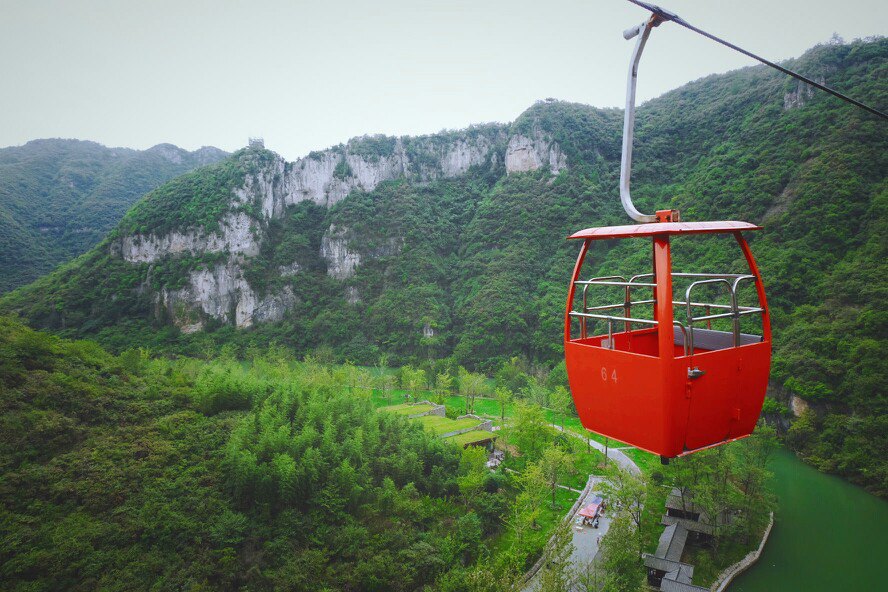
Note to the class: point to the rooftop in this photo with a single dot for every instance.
(675, 586)
(691, 525)
(672, 542)
(637, 230)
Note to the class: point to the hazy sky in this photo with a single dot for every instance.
(307, 75)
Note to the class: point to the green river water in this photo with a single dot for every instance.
(828, 535)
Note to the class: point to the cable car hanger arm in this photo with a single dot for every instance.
(666, 15)
(642, 31)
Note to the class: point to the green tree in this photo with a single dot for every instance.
(473, 472)
(530, 432)
(413, 380)
(626, 493)
(471, 385)
(443, 387)
(504, 397)
(623, 568)
(536, 392)
(556, 574)
(562, 402)
(527, 504)
(554, 463)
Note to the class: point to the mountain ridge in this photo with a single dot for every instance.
(59, 197)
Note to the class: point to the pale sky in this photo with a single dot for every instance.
(308, 75)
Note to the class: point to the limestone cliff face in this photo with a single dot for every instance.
(221, 292)
(342, 260)
(236, 235)
(533, 153)
(801, 95)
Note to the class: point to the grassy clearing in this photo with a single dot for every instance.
(442, 425)
(469, 437)
(647, 462)
(586, 461)
(483, 407)
(490, 409)
(407, 409)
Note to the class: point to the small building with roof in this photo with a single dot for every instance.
(665, 571)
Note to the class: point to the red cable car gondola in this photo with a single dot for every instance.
(661, 381)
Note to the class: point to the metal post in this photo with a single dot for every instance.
(663, 266)
(627, 309)
(642, 31)
(736, 313)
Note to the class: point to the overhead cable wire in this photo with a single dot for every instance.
(666, 15)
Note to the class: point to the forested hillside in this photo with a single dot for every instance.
(59, 198)
(135, 472)
(474, 265)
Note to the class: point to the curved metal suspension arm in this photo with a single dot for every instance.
(642, 31)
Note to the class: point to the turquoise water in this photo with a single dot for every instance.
(829, 535)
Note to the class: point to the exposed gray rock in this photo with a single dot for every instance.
(235, 235)
(222, 293)
(801, 95)
(289, 270)
(530, 154)
(168, 151)
(341, 262)
(798, 405)
(352, 295)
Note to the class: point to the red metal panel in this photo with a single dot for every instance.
(639, 230)
(727, 400)
(617, 394)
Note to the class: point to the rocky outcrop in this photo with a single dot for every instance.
(235, 235)
(801, 95)
(533, 153)
(327, 177)
(341, 262)
(798, 405)
(222, 293)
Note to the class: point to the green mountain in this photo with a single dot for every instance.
(59, 198)
(452, 244)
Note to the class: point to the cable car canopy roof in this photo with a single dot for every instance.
(637, 230)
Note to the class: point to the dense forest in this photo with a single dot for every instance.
(59, 198)
(474, 268)
(138, 472)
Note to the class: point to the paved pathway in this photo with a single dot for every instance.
(585, 539)
(614, 454)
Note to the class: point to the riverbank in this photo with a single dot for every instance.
(828, 534)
